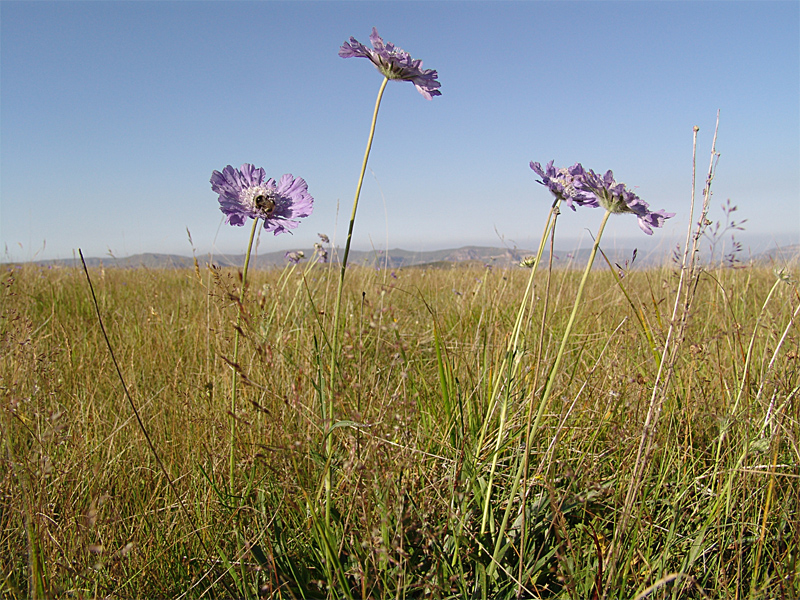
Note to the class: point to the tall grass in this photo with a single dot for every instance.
(86, 512)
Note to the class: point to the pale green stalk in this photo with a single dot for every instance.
(353, 214)
(511, 353)
(669, 354)
(328, 410)
(513, 343)
(554, 371)
(764, 519)
(546, 394)
(534, 387)
(232, 461)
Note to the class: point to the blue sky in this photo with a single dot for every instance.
(114, 114)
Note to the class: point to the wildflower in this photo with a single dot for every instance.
(324, 238)
(394, 63)
(617, 198)
(527, 262)
(245, 193)
(295, 257)
(320, 252)
(561, 183)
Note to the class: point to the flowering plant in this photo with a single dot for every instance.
(245, 193)
(576, 185)
(561, 183)
(617, 198)
(394, 63)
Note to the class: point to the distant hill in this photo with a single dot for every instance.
(393, 259)
(398, 258)
(781, 255)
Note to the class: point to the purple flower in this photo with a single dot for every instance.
(617, 198)
(245, 193)
(320, 253)
(394, 63)
(562, 184)
(295, 257)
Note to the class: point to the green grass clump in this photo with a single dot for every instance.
(425, 402)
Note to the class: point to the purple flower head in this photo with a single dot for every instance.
(295, 257)
(617, 198)
(320, 252)
(562, 184)
(394, 63)
(245, 193)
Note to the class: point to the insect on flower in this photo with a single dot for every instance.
(265, 203)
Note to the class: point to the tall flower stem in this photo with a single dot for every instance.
(358, 188)
(543, 403)
(554, 371)
(240, 308)
(328, 410)
(509, 368)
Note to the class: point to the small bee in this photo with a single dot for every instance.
(265, 204)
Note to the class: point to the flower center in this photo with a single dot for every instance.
(565, 178)
(617, 199)
(391, 70)
(260, 199)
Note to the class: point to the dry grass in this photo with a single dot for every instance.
(86, 512)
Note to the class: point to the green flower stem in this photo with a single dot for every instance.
(549, 229)
(514, 341)
(546, 394)
(509, 369)
(240, 307)
(328, 410)
(337, 309)
(361, 181)
(554, 371)
(537, 362)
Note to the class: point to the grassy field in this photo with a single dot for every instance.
(449, 478)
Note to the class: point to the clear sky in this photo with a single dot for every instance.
(114, 114)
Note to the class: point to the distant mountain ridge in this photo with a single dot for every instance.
(397, 258)
(394, 259)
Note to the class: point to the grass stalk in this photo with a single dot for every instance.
(132, 404)
(743, 383)
(234, 373)
(543, 403)
(548, 389)
(36, 583)
(687, 285)
(509, 366)
(529, 411)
